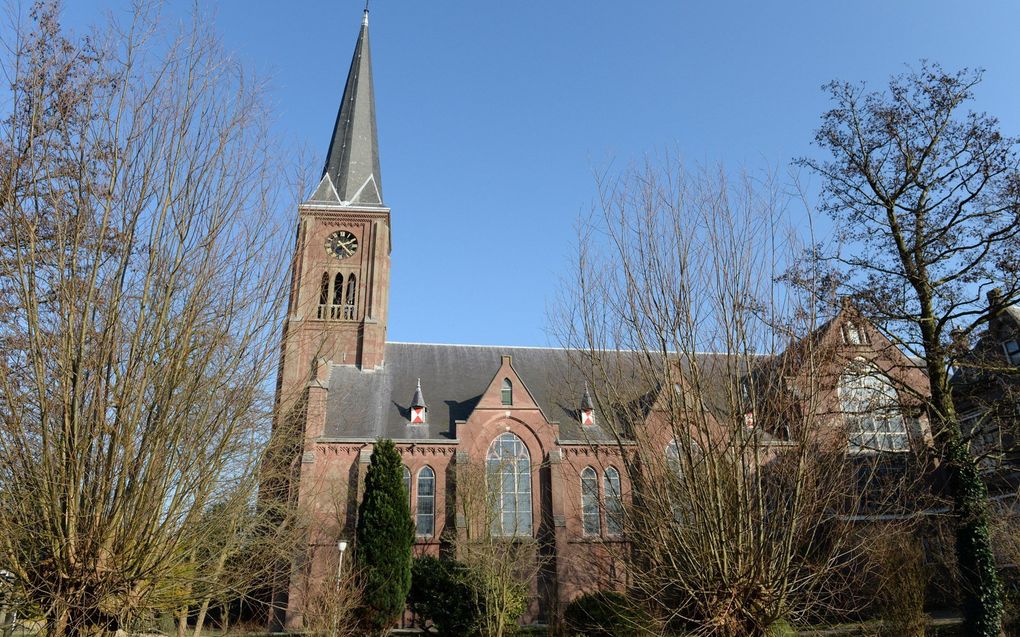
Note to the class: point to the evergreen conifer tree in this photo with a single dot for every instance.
(384, 538)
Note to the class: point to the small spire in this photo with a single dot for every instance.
(587, 408)
(586, 402)
(419, 410)
(419, 399)
(364, 16)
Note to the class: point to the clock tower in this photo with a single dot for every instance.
(341, 268)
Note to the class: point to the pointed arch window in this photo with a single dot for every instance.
(590, 502)
(506, 392)
(508, 477)
(350, 298)
(323, 294)
(407, 484)
(338, 289)
(871, 407)
(425, 510)
(614, 501)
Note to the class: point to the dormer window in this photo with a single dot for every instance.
(506, 393)
(1012, 348)
(853, 334)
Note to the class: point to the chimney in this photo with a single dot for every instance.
(994, 297)
(995, 308)
(961, 343)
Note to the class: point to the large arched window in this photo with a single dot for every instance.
(614, 502)
(590, 502)
(871, 407)
(506, 392)
(425, 512)
(508, 474)
(673, 459)
(350, 297)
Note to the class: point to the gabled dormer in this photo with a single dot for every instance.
(507, 390)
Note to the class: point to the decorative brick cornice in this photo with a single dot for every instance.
(332, 449)
(336, 218)
(426, 450)
(589, 451)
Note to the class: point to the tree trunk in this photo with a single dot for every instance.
(200, 620)
(982, 591)
(56, 624)
(182, 622)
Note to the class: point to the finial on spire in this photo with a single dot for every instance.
(364, 16)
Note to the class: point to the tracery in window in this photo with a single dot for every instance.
(675, 462)
(614, 502)
(590, 502)
(508, 476)
(425, 511)
(507, 392)
(871, 407)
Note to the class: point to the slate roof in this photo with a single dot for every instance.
(368, 404)
(352, 161)
(372, 403)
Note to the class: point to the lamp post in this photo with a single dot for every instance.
(342, 545)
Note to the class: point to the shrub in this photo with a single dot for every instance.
(443, 592)
(899, 563)
(606, 614)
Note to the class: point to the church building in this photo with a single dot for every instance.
(343, 385)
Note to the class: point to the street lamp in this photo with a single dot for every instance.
(342, 545)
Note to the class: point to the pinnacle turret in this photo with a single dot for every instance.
(419, 409)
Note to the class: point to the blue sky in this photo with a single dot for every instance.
(493, 116)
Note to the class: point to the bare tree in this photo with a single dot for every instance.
(140, 283)
(927, 201)
(501, 567)
(333, 606)
(719, 387)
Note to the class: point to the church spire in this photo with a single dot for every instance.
(351, 173)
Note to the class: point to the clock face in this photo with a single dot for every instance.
(341, 244)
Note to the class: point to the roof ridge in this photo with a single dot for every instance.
(548, 347)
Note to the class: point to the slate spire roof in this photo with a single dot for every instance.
(586, 402)
(351, 173)
(418, 400)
